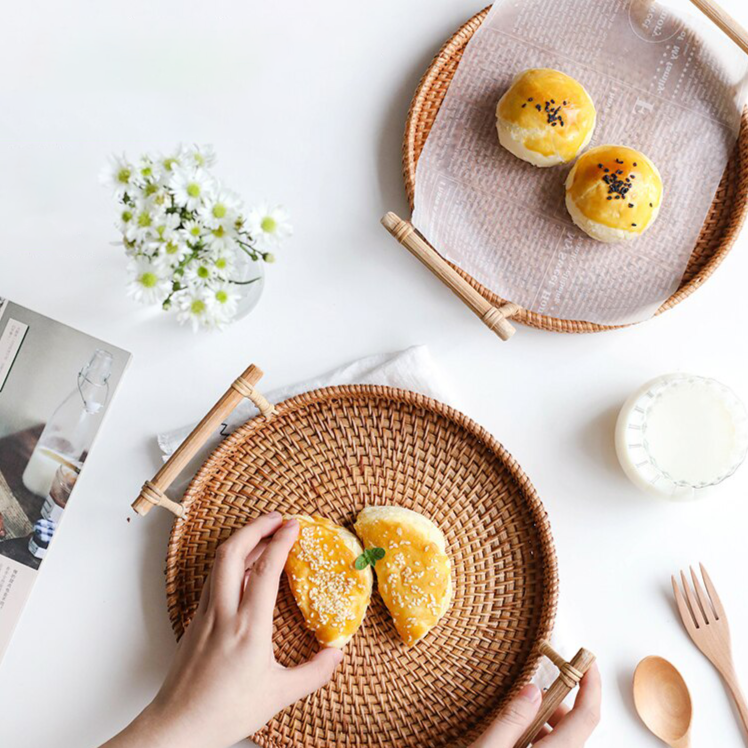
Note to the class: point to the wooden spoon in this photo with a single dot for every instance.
(662, 699)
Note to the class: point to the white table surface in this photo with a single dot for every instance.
(305, 103)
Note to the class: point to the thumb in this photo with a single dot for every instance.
(307, 678)
(513, 720)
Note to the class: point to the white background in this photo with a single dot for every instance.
(305, 103)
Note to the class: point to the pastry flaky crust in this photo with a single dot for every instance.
(415, 576)
(613, 193)
(331, 593)
(545, 117)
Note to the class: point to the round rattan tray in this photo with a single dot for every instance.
(717, 236)
(333, 451)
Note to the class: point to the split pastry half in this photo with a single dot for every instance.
(331, 593)
(415, 574)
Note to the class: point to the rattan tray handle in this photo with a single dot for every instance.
(570, 673)
(494, 318)
(153, 491)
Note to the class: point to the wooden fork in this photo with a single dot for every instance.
(705, 620)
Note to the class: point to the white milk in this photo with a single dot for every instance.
(40, 470)
(680, 434)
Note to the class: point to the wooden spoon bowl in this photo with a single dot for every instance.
(663, 702)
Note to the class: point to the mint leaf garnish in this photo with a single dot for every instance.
(369, 558)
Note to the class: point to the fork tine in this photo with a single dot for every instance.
(692, 604)
(704, 602)
(680, 602)
(719, 611)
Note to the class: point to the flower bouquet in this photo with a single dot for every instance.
(188, 237)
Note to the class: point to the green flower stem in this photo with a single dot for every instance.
(245, 283)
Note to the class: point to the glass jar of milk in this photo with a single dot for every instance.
(68, 434)
(680, 434)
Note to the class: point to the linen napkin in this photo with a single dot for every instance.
(411, 369)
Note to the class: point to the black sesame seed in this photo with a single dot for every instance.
(631, 205)
(530, 99)
(599, 166)
(538, 107)
(651, 206)
(633, 224)
(634, 163)
(565, 103)
(610, 198)
(524, 105)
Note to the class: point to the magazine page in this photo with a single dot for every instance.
(56, 384)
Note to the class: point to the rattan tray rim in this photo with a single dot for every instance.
(254, 428)
(410, 155)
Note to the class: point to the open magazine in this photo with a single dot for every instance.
(56, 384)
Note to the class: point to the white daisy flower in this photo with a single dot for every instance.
(149, 169)
(165, 226)
(222, 238)
(269, 226)
(194, 306)
(158, 195)
(201, 157)
(221, 207)
(223, 262)
(169, 162)
(193, 232)
(224, 301)
(125, 218)
(147, 285)
(199, 272)
(143, 227)
(167, 255)
(190, 186)
(120, 175)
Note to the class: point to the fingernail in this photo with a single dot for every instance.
(530, 693)
(338, 654)
(291, 523)
(273, 515)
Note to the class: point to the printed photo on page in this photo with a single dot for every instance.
(56, 384)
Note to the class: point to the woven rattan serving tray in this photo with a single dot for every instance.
(334, 451)
(717, 235)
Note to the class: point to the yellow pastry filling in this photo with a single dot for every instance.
(331, 594)
(553, 109)
(414, 577)
(616, 186)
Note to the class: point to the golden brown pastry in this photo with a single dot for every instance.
(331, 593)
(415, 575)
(546, 117)
(613, 193)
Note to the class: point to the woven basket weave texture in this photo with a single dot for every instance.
(334, 451)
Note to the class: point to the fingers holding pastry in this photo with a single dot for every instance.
(262, 586)
(227, 575)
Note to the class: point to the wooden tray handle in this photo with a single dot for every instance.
(494, 318)
(724, 21)
(570, 673)
(153, 491)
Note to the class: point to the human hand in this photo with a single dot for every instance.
(224, 683)
(567, 728)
